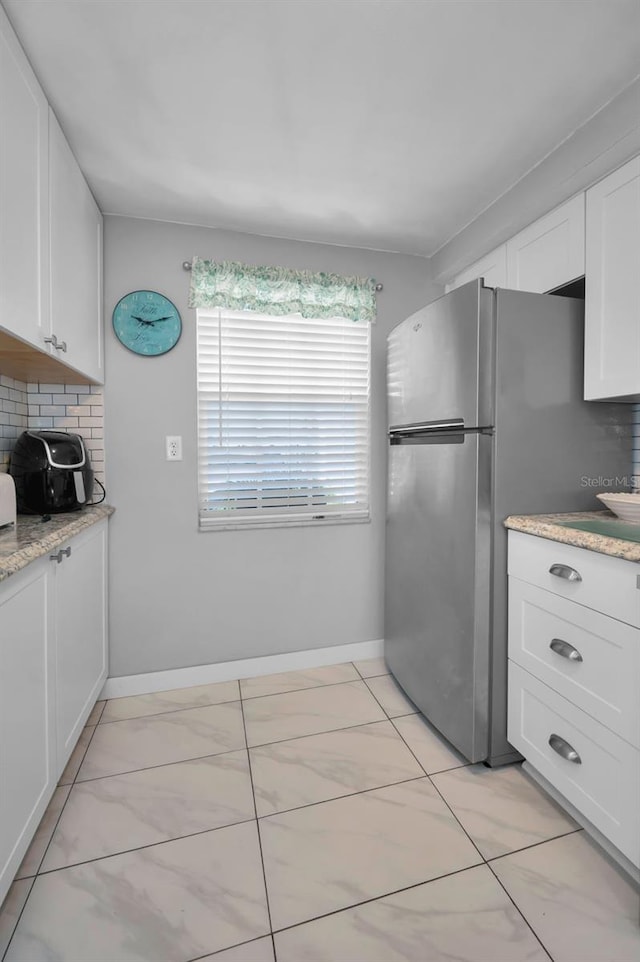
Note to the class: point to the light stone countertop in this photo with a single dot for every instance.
(31, 537)
(546, 526)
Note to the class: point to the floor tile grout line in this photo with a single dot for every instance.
(227, 751)
(378, 898)
(435, 787)
(166, 711)
(524, 848)
(236, 945)
(140, 848)
(255, 810)
(24, 905)
(519, 910)
(104, 705)
(64, 804)
(230, 701)
(149, 768)
(338, 798)
(293, 691)
(428, 774)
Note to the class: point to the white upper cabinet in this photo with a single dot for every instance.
(549, 252)
(612, 297)
(76, 260)
(493, 267)
(24, 203)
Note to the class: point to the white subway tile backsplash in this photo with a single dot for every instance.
(53, 410)
(50, 388)
(58, 406)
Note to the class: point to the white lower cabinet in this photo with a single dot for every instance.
(53, 664)
(574, 678)
(81, 635)
(27, 725)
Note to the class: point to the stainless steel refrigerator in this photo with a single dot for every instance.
(486, 419)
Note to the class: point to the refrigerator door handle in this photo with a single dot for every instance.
(424, 427)
(414, 432)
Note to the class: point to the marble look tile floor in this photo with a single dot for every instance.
(309, 816)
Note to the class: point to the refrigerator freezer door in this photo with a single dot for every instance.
(439, 361)
(438, 582)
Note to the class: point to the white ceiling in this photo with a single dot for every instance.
(387, 124)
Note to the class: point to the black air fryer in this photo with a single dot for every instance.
(52, 472)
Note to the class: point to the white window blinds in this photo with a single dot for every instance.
(283, 419)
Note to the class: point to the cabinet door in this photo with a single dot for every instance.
(76, 260)
(493, 267)
(24, 234)
(81, 634)
(612, 296)
(549, 252)
(27, 747)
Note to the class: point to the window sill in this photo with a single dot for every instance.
(206, 526)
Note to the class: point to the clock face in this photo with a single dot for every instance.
(147, 323)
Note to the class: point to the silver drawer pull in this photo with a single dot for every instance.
(564, 649)
(564, 571)
(564, 749)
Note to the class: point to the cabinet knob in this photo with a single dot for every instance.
(565, 650)
(59, 555)
(564, 571)
(564, 749)
(58, 345)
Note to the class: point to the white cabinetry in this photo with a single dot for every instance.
(24, 221)
(493, 267)
(574, 673)
(27, 727)
(549, 252)
(80, 633)
(50, 226)
(53, 664)
(76, 260)
(612, 299)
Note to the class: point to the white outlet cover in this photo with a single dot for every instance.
(173, 447)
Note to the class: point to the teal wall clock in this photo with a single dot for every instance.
(147, 323)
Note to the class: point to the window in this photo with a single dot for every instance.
(283, 419)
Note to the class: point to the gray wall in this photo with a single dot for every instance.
(180, 597)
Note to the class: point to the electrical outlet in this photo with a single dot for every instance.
(173, 447)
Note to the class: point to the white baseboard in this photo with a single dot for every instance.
(246, 668)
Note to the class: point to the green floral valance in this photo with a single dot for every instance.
(278, 290)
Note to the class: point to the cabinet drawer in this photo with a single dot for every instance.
(606, 584)
(605, 786)
(604, 683)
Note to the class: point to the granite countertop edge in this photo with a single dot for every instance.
(31, 538)
(546, 526)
